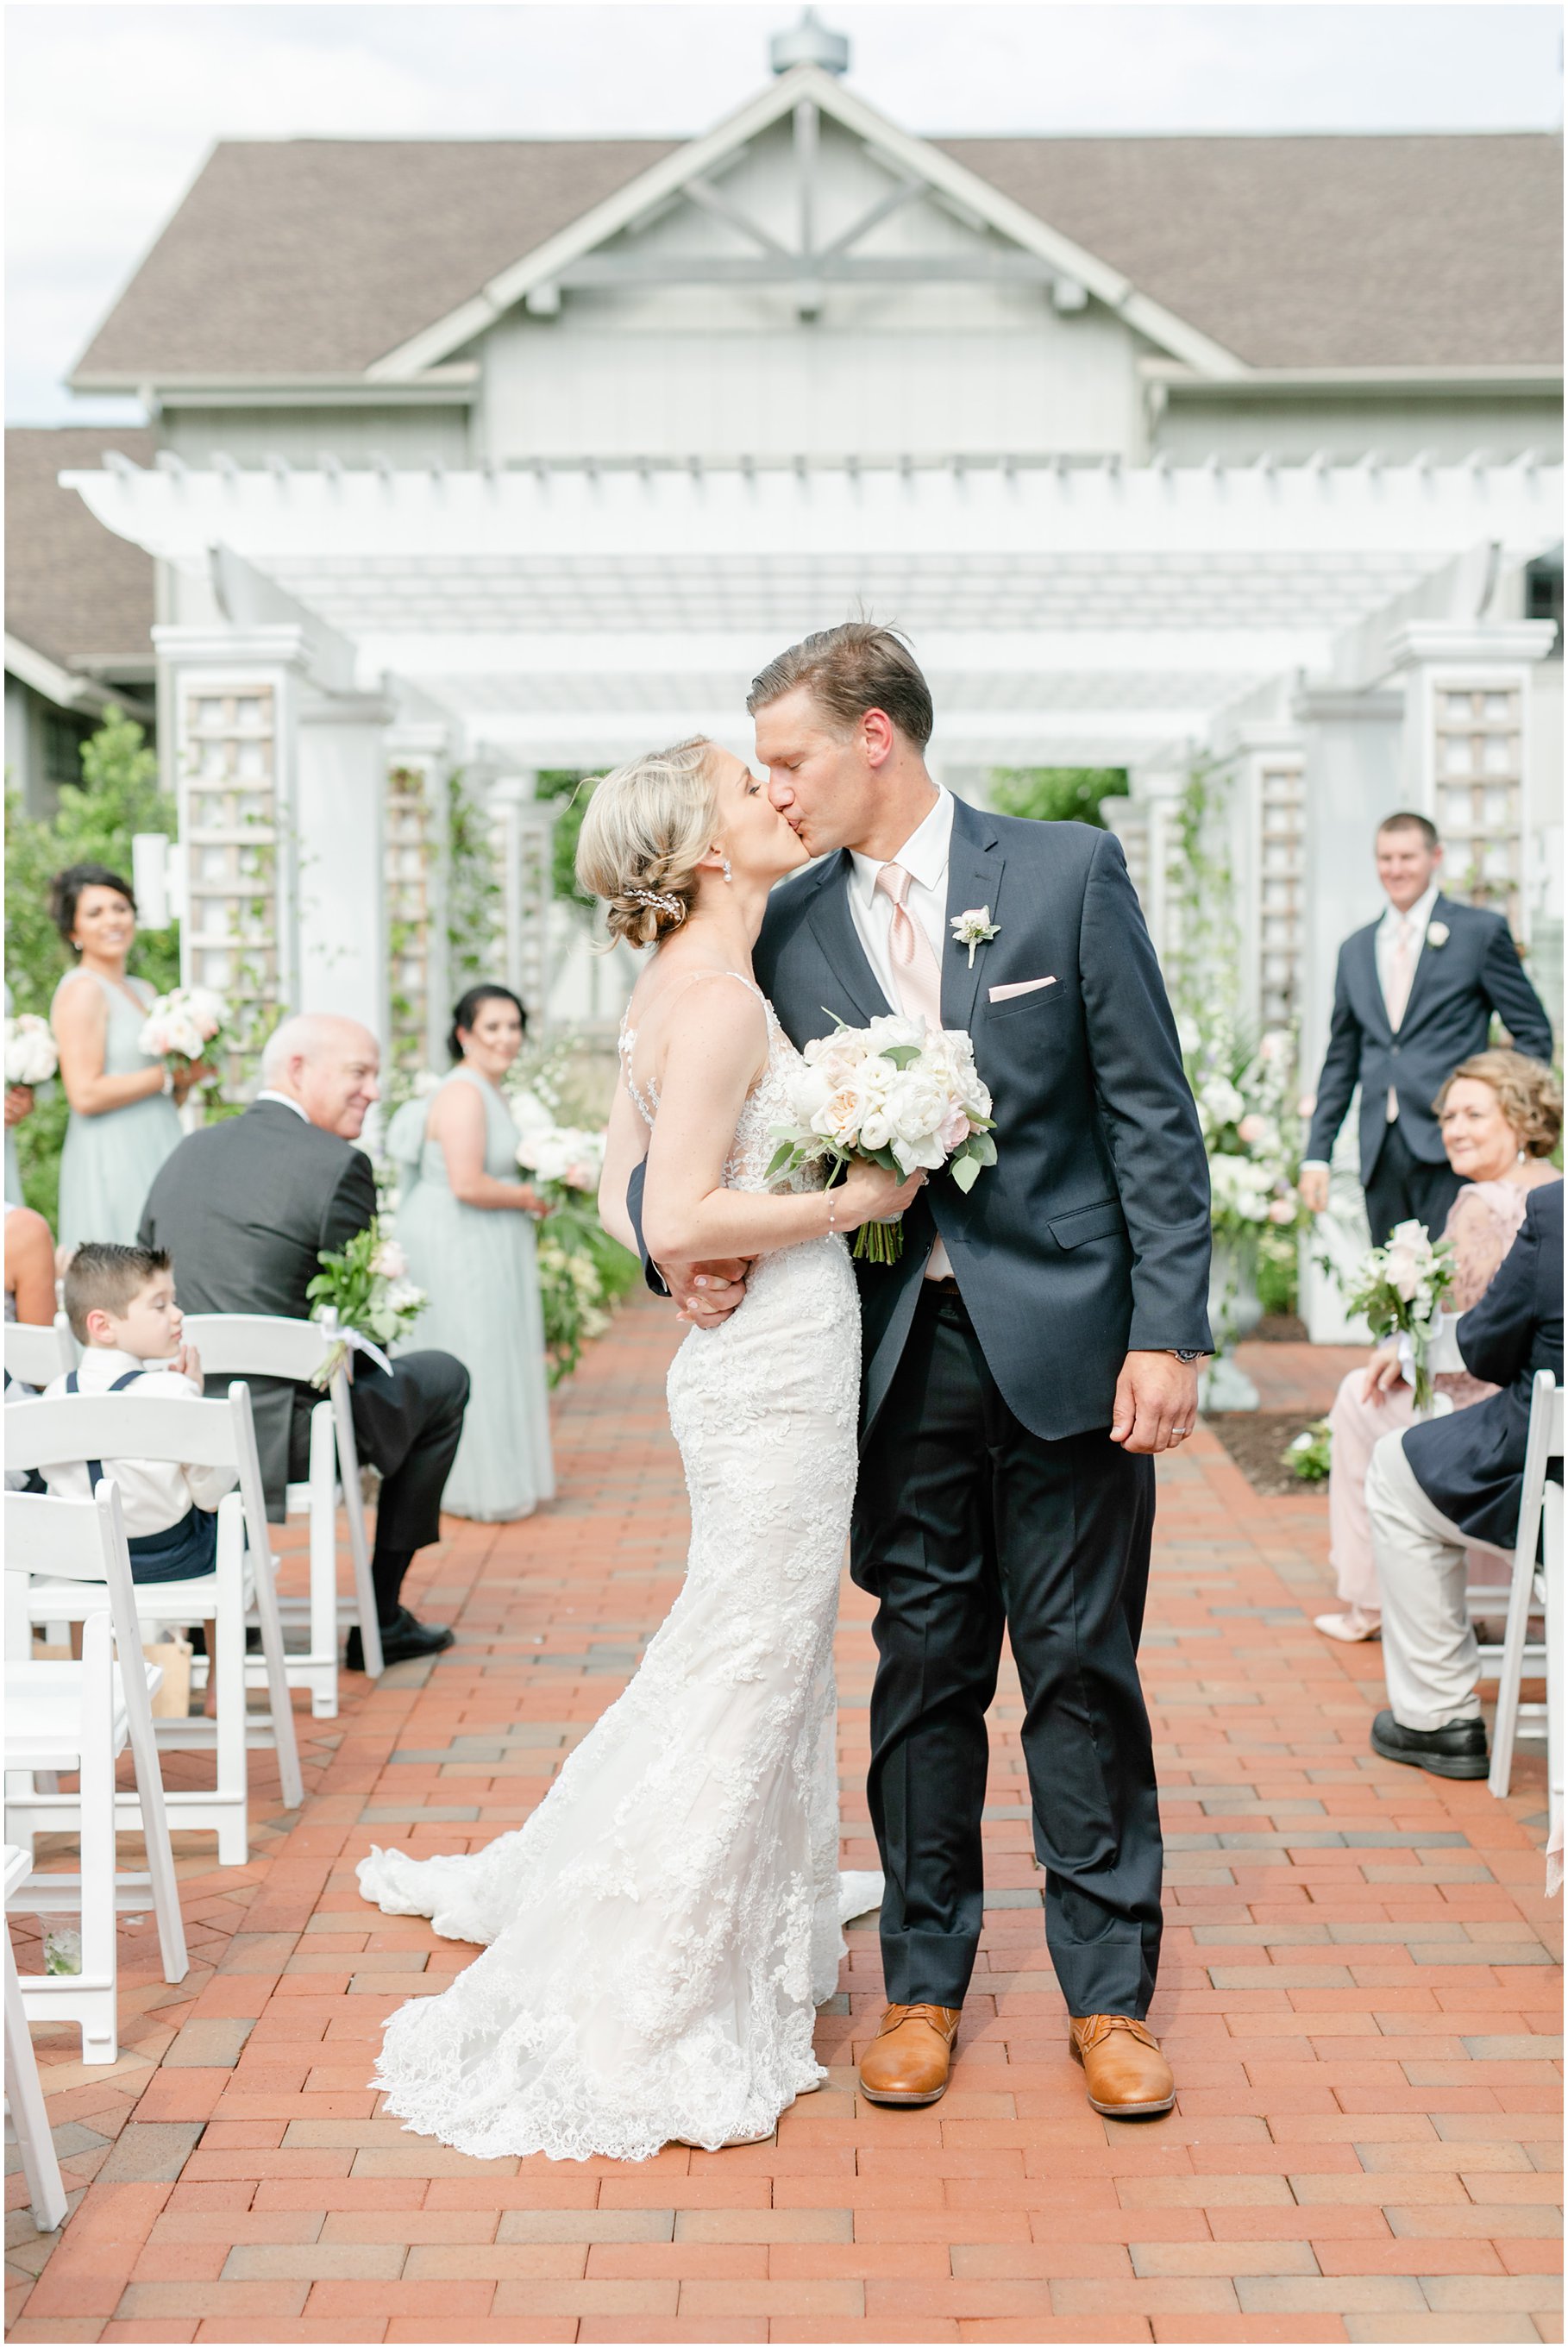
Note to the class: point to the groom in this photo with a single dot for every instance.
(1035, 1344)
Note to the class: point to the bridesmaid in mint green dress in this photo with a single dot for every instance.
(466, 1224)
(123, 1121)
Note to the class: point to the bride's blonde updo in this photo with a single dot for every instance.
(647, 825)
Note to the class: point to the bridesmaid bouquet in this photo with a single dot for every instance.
(179, 1026)
(560, 1158)
(1399, 1290)
(362, 1293)
(894, 1092)
(30, 1054)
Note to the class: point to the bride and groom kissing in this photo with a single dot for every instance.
(978, 1419)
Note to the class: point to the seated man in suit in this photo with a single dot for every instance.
(1413, 996)
(245, 1208)
(1434, 1488)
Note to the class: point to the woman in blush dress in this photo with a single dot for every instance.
(466, 1224)
(1500, 1116)
(124, 1121)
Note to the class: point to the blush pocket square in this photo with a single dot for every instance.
(1017, 986)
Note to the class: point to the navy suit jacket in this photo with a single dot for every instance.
(1456, 988)
(1471, 1464)
(1090, 1233)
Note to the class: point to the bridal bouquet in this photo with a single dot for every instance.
(1399, 1290)
(30, 1054)
(361, 1294)
(180, 1024)
(894, 1092)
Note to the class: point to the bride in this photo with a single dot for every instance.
(661, 1929)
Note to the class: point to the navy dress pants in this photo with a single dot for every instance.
(964, 1523)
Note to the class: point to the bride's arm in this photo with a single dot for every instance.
(623, 1148)
(716, 1049)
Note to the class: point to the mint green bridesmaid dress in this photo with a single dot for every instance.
(108, 1162)
(477, 1266)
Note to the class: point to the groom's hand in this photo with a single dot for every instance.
(1156, 1402)
(706, 1294)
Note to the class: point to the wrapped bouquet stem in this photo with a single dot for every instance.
(1399, 1290)
(363, 1299)
(897, 1092)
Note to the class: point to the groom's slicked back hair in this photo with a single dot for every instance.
(848, 670)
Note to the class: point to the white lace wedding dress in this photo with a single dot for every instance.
(661, 1929)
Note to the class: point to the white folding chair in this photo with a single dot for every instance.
(82, 1545)
(210, 1435)
(24, 2097)
(1532, 1592)
(262, 1346)
(77, 1716)
(38, 1350)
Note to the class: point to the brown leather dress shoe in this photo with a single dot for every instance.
(911, 2054)
(1127, 2076)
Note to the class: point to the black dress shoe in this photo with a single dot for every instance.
(403, 1640)
(1457, 1751)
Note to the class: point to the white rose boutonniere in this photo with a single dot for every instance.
(1437, 934)
(975, 928)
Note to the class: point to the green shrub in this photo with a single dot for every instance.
(1057, 794)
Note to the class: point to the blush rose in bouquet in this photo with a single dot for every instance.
(364, 1298)
(897, 1092)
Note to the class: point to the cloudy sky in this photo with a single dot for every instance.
(111, 108)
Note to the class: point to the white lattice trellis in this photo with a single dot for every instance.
(410, 911)
(1479, 783)
(231, 827)
(1281, 881)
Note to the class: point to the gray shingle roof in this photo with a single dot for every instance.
(74, 590)
(318, 256)
(1364, 251)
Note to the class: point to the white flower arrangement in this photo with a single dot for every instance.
(1400, 1289)
(974, 928)
(558, 1156)
(181, 1024)
(1251, 1122)
(894, 1092)
(30, 1054)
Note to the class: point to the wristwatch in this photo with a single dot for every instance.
(1186, 1353)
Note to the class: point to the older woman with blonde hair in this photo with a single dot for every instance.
(1501, 1116)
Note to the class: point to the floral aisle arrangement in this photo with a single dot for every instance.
(30, 1054)
(893, 1092)
(182, 1025)
(1400, 1289)
(364, 1298)
(1251, 1120)
(1310, 1454)
(583, 1271)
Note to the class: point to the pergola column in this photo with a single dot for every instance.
(522, 833)
(420, 755)
(341, 824)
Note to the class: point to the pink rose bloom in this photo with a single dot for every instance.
(1251, 1129)
(954, 1128)
(1282, 1210)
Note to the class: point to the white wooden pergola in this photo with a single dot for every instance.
(327, 626)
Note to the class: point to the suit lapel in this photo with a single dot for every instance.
(1375, 1011)
(836, 935)
(975, 868)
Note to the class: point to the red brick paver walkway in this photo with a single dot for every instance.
(1356, 1993)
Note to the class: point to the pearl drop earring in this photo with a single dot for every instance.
(727, 873)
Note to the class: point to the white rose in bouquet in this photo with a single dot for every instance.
(180, 1025)
(1400, 1289)
(30, 1054)
(389, 1263)
(894, 1093)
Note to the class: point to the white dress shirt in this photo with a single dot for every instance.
(154, 1493)
(1419, 914)
(285, 1100)
(924, 857)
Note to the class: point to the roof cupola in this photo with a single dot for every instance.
(810, 43)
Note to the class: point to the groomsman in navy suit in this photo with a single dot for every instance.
(1413, 996)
